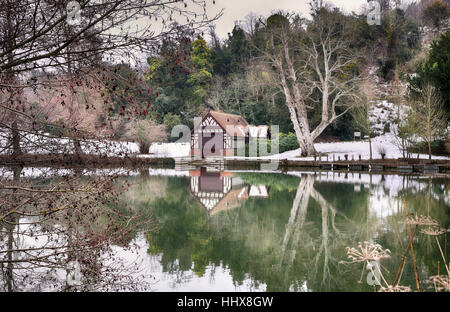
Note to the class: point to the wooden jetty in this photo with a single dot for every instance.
(382, 166)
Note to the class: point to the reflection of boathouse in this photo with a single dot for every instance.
(220, 191)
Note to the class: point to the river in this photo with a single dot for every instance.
(241, 231)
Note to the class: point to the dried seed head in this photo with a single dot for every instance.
(421, 220)
(434, 231)
(367, 252)
(396, 288)
(441, 282)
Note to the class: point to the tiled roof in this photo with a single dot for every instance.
(235, 125)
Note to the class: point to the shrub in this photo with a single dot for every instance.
(287, 142)
(144, 132)
(171, 120)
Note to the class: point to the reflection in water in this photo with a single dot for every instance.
(293, 238)
(250, 231)
(220, 191)
(59, 234)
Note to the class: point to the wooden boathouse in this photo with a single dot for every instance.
(220, 134)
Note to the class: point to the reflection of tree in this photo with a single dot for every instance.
(295, 229)
(252, 240)
(54, 229)
(144, 189)
(184, 238)
(324, 247)
(10, 222)
(291, 240)
(297, 217)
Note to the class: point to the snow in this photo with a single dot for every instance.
(174, 150)
(382, 113)
(35, 172)
(45, 143)
(170, 149)
(353, 149)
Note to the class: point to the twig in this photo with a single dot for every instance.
(442, 254)
(411, 245)
(397, 276)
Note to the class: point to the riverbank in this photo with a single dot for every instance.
(420, 166)
(94, 161)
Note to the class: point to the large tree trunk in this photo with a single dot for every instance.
(302, 132)
(308, 141)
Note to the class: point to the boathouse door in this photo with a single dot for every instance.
(212, 144)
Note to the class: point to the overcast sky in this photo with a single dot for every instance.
(238, 9)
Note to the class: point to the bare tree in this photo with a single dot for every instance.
(66, 226)
(145, 132)
(428, 116)
(361, 113)
(316, 60)
(42, 41)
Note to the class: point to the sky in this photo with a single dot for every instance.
(235, 10)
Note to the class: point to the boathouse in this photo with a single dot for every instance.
(220, 134)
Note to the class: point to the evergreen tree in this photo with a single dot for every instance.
(435, 71)
(199, 80)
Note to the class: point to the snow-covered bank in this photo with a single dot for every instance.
(353, 150)
(170, 149)
(42, 145)
(46, 144)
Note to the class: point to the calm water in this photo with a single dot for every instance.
(247, 231)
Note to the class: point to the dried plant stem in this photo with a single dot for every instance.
(411, 245)
(375, 276)
(362, 273)
(442, 254)
(400, 269)
(439, 273)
